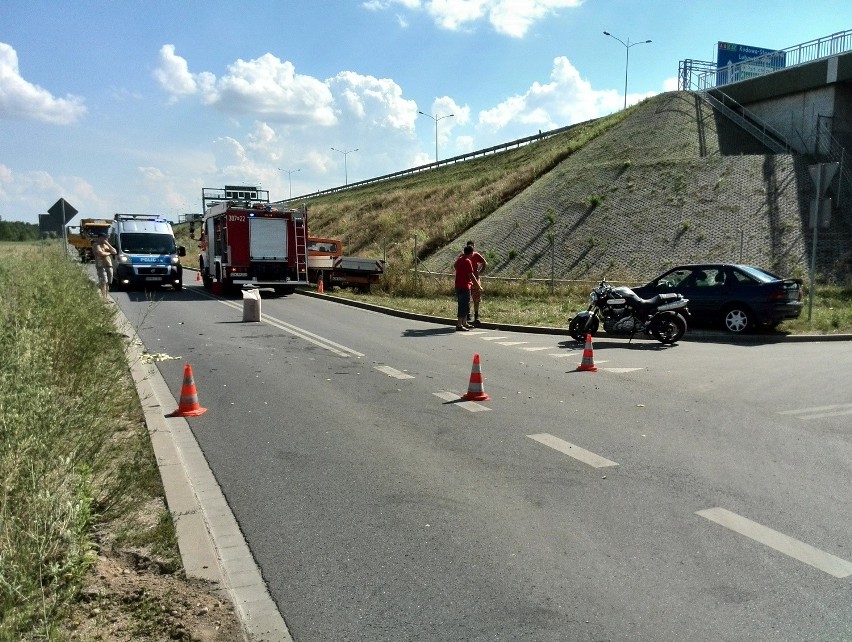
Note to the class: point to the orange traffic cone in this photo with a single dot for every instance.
(588, 363)
(188, 406)
(320, 287)
(475, 391)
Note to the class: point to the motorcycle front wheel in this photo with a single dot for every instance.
(577, 327)
(669, 329)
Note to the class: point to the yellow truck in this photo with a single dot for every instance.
(81, 236)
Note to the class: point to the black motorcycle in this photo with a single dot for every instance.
(625, 313)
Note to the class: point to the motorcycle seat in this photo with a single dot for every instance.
(659, 299)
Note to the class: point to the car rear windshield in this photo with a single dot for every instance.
(761, 275)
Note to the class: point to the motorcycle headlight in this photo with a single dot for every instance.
(593, 297)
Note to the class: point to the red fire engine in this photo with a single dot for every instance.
(247, 241)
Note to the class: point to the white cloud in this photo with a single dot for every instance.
(31, 193)
(265, 87)
(271, 88)
(565, 100)
(22, 100)
(173, 73)
(509, 17)
(374, 102)
(671, 84)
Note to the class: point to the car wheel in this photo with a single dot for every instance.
(737, 319)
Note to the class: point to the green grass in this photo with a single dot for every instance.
(436, 206)
(74, 451)
(538, 303)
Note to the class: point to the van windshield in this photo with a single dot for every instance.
(147, 243)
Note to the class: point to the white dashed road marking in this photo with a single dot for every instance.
(820, 412)
(580, 454)
(470, 406)
(806, 553)
(393, 372)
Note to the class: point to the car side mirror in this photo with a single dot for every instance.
(181, 251)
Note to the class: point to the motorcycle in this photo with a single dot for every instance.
(623, 312)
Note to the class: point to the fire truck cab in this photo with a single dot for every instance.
(247, 241)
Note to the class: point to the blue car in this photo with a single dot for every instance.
(737, 297)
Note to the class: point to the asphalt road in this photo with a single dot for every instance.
(700, 491)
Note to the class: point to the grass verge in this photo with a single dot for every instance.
(76, 468)
(538, 303)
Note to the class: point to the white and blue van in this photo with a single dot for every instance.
(147, 252)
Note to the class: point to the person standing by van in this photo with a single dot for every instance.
(103, 253)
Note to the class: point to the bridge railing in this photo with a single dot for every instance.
(824, 47)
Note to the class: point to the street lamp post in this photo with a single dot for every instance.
(290, 173)
(436, 119)
(627, 46)
(345, 154)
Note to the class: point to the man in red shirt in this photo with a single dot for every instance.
(465, 277)
(479, 265)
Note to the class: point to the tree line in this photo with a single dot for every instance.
(19, 231)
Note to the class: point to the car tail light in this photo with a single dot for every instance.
(785, 294)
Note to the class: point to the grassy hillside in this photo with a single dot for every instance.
(667, 181)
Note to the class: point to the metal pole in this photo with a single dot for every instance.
(626, 67)
(345, 168)
(436, 119)
(815, 222)
(436, 141)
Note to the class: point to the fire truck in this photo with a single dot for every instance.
(245, 240)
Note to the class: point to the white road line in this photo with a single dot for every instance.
(536, 349)
(493, 338)
(580, 454)
(806, 553)
(470, 406)
(393, 372)
(620, 370)
(820, 412)
(560, 355)
(512, 343)
(310, 337)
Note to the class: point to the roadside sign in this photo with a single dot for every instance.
(57, 216)
(824, 217)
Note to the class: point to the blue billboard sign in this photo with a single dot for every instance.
(740, 62)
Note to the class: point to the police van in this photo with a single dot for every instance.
(147, 252)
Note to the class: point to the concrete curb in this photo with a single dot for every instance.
(212, 546)
(708, 336)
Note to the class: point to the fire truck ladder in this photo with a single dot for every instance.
(301, 233)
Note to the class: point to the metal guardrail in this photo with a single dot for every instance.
(448, 161)
(824, 47)
(748, 120)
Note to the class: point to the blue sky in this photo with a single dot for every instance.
(134, 106)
